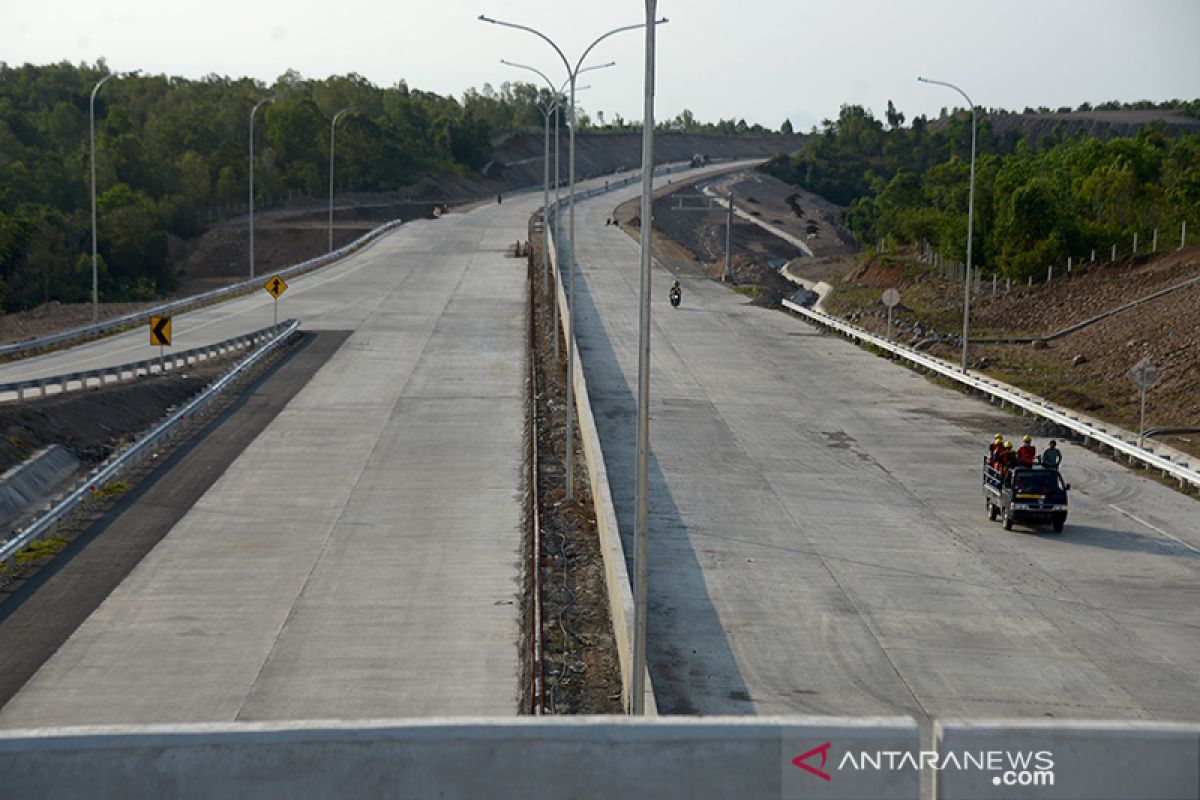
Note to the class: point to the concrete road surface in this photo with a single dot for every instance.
(361, 557)
(818, 537)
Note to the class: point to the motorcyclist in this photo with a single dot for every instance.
(676, 293)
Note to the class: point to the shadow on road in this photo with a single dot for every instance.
(691, 664)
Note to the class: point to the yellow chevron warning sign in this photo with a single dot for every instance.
(160, 331)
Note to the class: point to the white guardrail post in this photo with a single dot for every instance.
(116, 464)
(1034, 405)
(128, 372)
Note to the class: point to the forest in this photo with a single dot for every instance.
(171, 156)
(1036, 202)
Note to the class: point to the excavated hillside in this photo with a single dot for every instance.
(1085, 370)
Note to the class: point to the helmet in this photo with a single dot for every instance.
(999, 437)
(1027, 440)
(1008, 445)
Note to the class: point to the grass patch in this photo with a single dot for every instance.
(749, 291)
(111, 489)
(41, 548)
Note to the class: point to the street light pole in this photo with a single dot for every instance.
(332, 125)
(92, 131)
(550, 107)
(572, 74)
(641, 518)
(970, 220)
(254, 111)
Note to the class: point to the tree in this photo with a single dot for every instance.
(786, 128)
(895, 118)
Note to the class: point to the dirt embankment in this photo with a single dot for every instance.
(686, 237)
(1085, 370)
(1095, 124)
(93, 423)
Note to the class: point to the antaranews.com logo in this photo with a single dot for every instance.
(1008, 767)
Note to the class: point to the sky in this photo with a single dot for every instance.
(760, 60)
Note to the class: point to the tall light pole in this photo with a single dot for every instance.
(92, 130)
(332, 125)
(970, 220)
(641, 517)
(254, 111)
(572, 74)
(550, 107)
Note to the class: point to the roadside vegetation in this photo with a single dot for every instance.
(1037, 202)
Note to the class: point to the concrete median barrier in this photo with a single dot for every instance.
(1063, 760)
(580, 757)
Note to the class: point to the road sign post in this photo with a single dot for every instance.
(160, 335)
(1144, 375)
(275, 286)
(891, 298)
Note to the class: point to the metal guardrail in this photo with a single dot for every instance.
(89, 332)
(1028, 402)
(117, 463)
(130, 371)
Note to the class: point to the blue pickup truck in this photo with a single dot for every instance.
(1026, 495)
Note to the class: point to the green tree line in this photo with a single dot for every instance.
(1035, 203)
(169, 150)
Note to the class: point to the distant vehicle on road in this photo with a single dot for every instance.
(1026, 495)
(699, 160)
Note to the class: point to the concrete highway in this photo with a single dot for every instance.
(818, 536)
(361, 556)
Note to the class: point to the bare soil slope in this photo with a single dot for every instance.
(1085, 370)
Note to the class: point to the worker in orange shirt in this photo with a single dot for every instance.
(1026, 453)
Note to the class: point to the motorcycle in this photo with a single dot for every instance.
(675, 295)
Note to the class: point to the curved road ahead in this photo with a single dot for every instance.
(818, 537)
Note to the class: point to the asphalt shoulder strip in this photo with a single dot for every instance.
(43, 613)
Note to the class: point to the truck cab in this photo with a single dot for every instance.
(1026, 495)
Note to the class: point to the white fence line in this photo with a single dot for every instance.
(116, 464)
(1027, 402)
(132, 370)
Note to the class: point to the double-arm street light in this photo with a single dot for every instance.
(332, 126)
(572, 75)
(970, 219)
(254, 111)
(550, 107)
(92, 130)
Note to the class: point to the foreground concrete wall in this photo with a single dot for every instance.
(1087, 760)
(597, 757)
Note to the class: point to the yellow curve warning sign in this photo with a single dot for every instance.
(160, 331)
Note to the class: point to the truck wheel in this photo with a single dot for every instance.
(993, 511)
(1008, 520)
(1058, 525)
